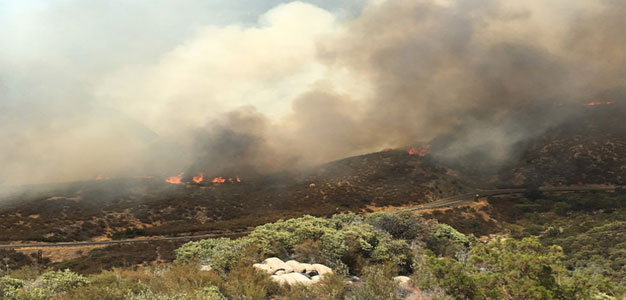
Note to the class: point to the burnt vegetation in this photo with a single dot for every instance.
(83, 210)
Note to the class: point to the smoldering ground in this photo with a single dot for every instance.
(302, 87)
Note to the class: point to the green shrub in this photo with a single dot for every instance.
(62, 281)
(447, 241)
(343, 240)
(35, 294)
(279, 238)
(108, 285)
(513, 269)
(397, 252)
(220, 253)
(9, 287)
(401, 225)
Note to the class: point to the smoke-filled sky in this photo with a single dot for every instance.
(125, 88)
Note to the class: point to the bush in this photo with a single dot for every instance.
(513, 269)
(220, 253)
(445, 240)
(401, 225)
(109, 285)
(331, 287)
(9, 287)
(35, 294)
(246, 283)
(343, 240)
(62, 281)
(279, 238)
(209, 293)
(378, 284)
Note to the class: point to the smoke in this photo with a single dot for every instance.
(302, 85)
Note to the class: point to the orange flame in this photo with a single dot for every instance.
(99, 177)
(594, 103)
(386, 150)
(175, 179)
(199, 178)
(425, 150)
(238, 180)
(218, 180)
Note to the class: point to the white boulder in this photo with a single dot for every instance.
(315, 279)
(205, 268)
(322, 269)
(264, 268)
(276, 264)
(297, 267)
(308, 268)
(403, 281)
(296, 278)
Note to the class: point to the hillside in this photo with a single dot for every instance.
(99, 209)
(589, 149)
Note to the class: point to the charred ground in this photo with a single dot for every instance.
(106, 208)
(588, 149)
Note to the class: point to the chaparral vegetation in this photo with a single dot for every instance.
(367, 254)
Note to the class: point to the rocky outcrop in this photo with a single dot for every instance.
(403, 281)
(293, 272)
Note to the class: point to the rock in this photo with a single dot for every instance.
(276, 264)
(205, 268)
(264, 268)
(279, 279)
(322, 269)
(315, 279)
(297, 267)
(279, 272)
(308, 268)
(292, 279)
(297, 278)
(403, 281)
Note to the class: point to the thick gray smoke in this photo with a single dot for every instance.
(472, 77)
(303, 87)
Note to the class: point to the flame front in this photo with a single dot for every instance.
(175, 179)
(218, 180)
(224, 179)
(594, 103)
(425, 150)
(198, 178)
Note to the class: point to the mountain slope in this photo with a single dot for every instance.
(86, 210)
(589, 149)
